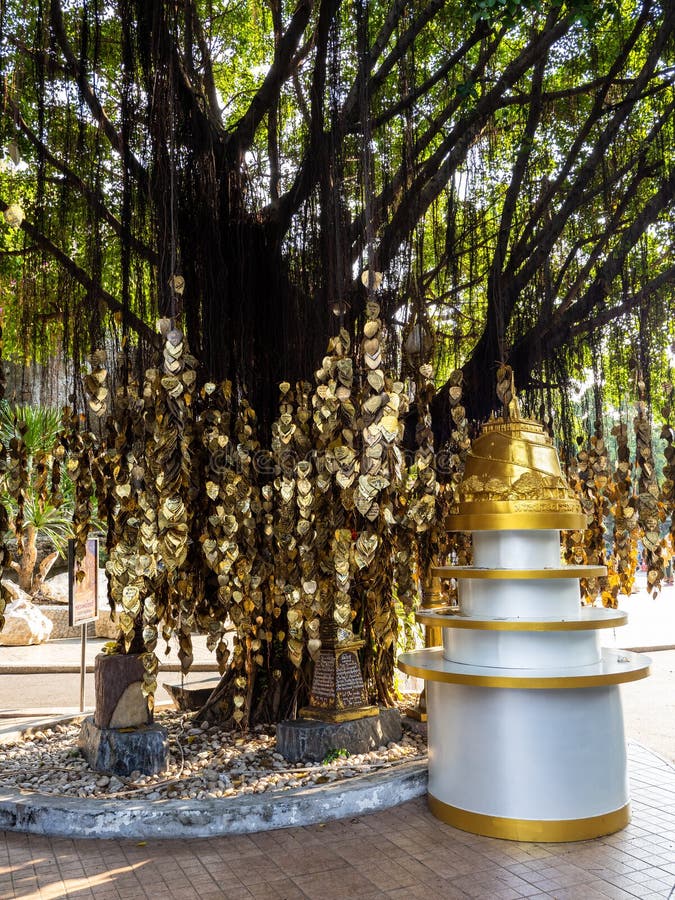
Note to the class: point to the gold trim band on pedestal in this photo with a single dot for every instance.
(464, 572)
(520, 521)
(532, 830)
(453, 620)
(338, 715)
(526, 683)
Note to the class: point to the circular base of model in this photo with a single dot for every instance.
(545, 830)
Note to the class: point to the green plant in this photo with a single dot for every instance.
(40, 518)
(31, 433)
(38, 426)
(337, 753)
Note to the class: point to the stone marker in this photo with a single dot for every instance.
(338, 693)
(312, 740)
(121, 738)
(121, 751)
(118, 685)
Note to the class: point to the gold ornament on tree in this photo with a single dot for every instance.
(650, 509)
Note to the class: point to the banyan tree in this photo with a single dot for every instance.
(481, 184)
(506, 167)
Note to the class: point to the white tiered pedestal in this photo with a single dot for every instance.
(526, 736)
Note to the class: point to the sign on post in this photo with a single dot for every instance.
(83, 591)
(83, 597)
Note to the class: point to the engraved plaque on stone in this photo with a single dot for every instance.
(338, 693)
(350, 689)
(323, 683)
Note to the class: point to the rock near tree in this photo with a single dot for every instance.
(24, 623)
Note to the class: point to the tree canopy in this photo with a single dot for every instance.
(506, 166)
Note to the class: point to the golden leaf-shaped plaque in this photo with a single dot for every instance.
(14, 215)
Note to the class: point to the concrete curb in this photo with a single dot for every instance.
(75, 670)
(44, 814)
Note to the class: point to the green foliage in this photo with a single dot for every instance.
(38, 426)
(51, 522)
(333, 755)
(587, 12)
(510, 199)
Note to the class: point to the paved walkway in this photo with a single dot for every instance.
(401, 853)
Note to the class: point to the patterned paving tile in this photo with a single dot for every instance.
(401, 853)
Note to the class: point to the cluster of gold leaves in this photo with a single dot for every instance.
(624, 508)
(632, 495)
(337, 467)
(132, 565)
(223, 540)
(417, 501)
(382, 404)
(592, 484)
(650, 509)
(306, 526)
(206, 529)
(171, 454)
(218, 539)
(252, 616)
(459, 548)
(294, 500)
(505, 386)
(95, 385)
(668, 486)
(80, 444)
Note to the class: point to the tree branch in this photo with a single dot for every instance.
(92, 100)
(402, 178)
(388, 27)
(96, 291)
(479, 32)
(282, 211)
(439, 167)
(209, 80)
(610, 313)
(244, 131)
(93, 199)
(404, 43)
(528, 350)
(520, 166)
(523, 248)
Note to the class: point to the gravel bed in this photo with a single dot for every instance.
(204, 763)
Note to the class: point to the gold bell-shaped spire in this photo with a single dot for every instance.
(513, 478)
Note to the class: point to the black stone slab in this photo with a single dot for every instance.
(118, 751)
(309, 740)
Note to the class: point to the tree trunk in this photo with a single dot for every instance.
(26, 562)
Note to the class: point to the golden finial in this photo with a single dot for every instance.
(506, 391)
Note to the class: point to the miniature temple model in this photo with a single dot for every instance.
(526, 736)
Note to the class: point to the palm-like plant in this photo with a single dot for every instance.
(41, 423)
(37, 427)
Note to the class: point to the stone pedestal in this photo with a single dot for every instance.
(300, 740)
(121, 751)
(338, 693)
(191, 697)
(118, 685)
(121, 738)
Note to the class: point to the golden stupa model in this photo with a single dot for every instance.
(525, 723)
(512, 480)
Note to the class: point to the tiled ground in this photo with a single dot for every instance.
(402, 853)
